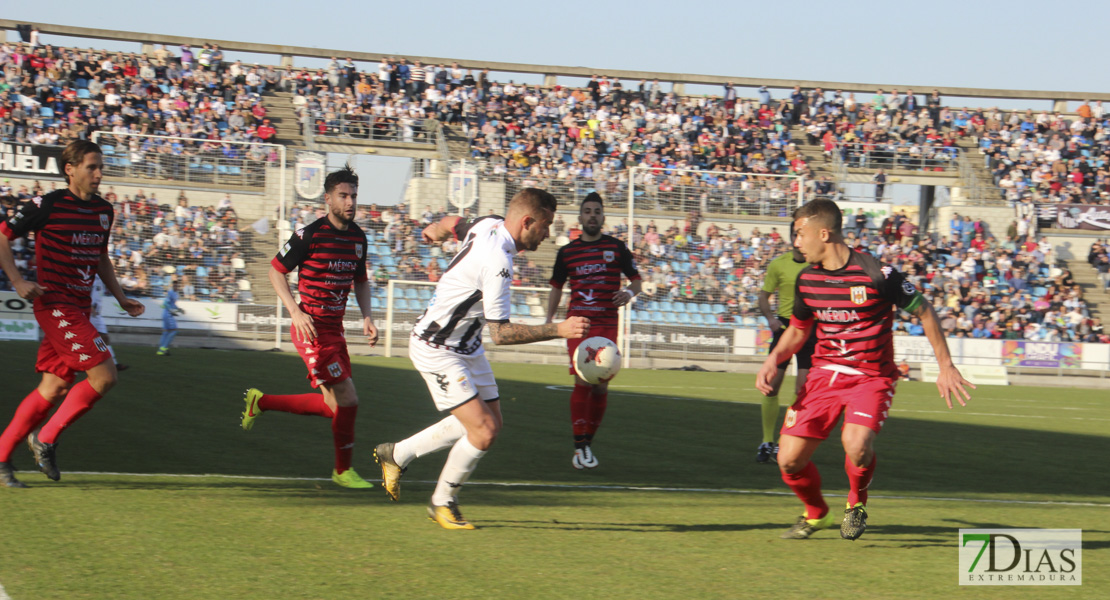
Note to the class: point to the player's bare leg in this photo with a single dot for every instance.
(482, 421)
(859, 463)
(801, 475)
(342, 399)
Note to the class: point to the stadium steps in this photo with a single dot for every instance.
(257, 260)
(279, 109)
(1087, 278)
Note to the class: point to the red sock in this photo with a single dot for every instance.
(858, 480)
(598, 403)
(298, 404)
(806, 484)
(78, 401)
(28, 416)
(580, 409)
(343, 432)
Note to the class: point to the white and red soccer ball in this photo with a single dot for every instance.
(597, 359)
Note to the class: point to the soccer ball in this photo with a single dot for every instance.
(597, 359)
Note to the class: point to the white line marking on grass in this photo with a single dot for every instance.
(623, 488)
(4, 595)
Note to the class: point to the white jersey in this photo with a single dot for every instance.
(473, 289)
(97, 294)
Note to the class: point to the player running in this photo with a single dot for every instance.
(330, 254)
(594, 263)
(96, 317)
(781, 275)
(848, 297)
(71, 229)
(446, 345)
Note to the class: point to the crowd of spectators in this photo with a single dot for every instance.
(51, 95)
(1049, 158)
(157, 240)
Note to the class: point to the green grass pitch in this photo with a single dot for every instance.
(163, 496)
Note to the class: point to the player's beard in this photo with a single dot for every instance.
(342, 216)
(591, 229)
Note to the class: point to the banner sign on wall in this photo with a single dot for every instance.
(1083, 216)
(30, 160)
(1053, 355)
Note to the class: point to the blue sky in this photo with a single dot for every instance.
(1019, 44)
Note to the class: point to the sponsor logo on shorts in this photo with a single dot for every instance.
(441, 381)
(83, 357)
(335, 370)
(63, 323)
(56, 313)
(791, 417)
(70, 335)
(75, 347)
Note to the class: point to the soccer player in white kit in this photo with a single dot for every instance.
(446, 345)
(97, 318)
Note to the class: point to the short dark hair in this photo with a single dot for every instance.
(75, 152)
(531, 200)
(344, 175)
(592, 197)
(824, 212)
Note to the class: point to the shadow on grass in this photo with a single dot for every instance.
(634, 527)
(182, 416)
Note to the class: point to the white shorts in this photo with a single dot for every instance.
(97, 322)
(453, 379)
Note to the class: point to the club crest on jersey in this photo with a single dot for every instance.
(859, 294)
(358, 250)
(609, 256)
(104, 221)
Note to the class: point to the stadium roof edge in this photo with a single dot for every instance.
(579, 71)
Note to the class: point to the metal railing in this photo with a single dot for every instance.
(900, 157)
(186, 160)
(374, 128)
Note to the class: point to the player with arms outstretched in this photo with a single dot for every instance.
(330, 253)
(782, 273)
(594, 264)
(849, 297)
(446, 345)
(71, 227)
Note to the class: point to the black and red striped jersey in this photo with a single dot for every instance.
(594, 270)
(330, 260)
(853, 310)
(70, 236)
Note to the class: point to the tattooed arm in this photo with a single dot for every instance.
(508, 334)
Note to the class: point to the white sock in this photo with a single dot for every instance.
(461, 462)
(433, 439)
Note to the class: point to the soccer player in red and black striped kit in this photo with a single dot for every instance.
(71, 229)
(594, 264)
(331, 255)
(850, 298)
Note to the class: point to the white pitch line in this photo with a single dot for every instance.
(4, 595)
(623, 488)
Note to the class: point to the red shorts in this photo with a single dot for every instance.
(326, 356)
(70, 344)
(608, 332)
(864, 400)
